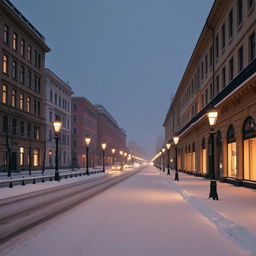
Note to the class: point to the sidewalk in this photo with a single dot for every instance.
(233, 214)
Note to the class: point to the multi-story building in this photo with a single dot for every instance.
(111, 133)
(22, 124)
(221, 73)
(57, 105)
(84, 122)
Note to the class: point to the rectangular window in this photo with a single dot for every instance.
(22, 156)
(35, 83)
(14, 41)
(6, 34)
(21, 103)
(35, 55)
(211, 57)
(35, 157)
(217, 46)
(206, 64)
(232, 170)
(206, 96)
(223, 77)
(22, 74)
(223, 36)
(252, 52)
(50, 116)
(231, 69)
(4, 94)
(14, 69)
(29, 130)
(28, 104)
(5, 64)
(29, 79)
(51, 96)
(39, 61)
(211, 91)
(22, 47)
(250, 159)
(74, 131)
(230, 24)
(239, 12)
(241, 58)
(5, 124)
(22, 128)
(13, 101)
(56, 99)
(217, 84)
(29, 53)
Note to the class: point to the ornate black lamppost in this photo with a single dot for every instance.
(57, 126)
(113, 155)
(163, 150)
(103, 146)
(121, 154)
(168, 146)
(87, 143)
(176, 141)
(212, 117)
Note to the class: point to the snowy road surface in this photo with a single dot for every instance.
(144, 215)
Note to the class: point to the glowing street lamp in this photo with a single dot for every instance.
(168, 146)
(57, 126)
(176, 141)
(212, 117)
(113, 155)
(87, 143)
(103, 146)
(163, 150)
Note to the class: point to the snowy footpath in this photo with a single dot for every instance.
(149, 215)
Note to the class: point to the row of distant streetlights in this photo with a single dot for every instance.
(57, 127)
(212, 118)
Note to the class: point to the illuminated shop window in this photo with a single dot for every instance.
(204, 169)
(36, 157)
(21, 155)
(232, 154)
(249, 137)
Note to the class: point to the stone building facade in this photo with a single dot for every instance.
(221, 73)
(84, 122)
(57, 105)
(22, 120)
(111, 133)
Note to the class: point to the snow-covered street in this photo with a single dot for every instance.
(148, 214)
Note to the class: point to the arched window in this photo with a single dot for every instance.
(249, 137)
(186, 159)
(249, 129)
(232, 164)
(219, 157)
(204, 169)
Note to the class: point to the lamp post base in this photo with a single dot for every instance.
(57, 176)
(168, 172)
(176, 176)
(87, 172)
(213, 190)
